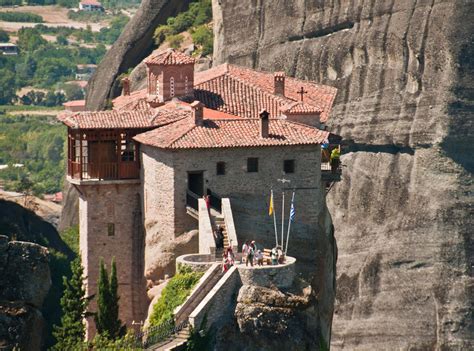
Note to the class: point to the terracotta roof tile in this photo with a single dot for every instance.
(122, 119)
(320, 96)
(300, 108)
(232, 95)
(169, 57)
(244, 132)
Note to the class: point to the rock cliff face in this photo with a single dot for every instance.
(24, 282)
(402, 214)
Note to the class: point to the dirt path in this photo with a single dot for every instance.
(36, 113)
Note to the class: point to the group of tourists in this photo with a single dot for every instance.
(250, 254)
(219, 237)
(254, 256)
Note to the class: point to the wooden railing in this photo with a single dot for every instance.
(104, 171)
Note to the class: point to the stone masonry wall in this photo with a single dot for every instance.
(164, 239)
(101, 206)
(249, 193)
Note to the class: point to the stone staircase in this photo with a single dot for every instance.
(219, 221)
(178, 340)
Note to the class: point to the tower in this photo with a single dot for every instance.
(170, 74)
(103, 166)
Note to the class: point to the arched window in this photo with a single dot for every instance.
(172, 86)
(186, 85)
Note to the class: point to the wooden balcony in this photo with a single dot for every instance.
(104, 171)
(102, 155)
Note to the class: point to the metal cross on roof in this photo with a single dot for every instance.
(302, 92)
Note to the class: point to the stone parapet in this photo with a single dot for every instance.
(229, 223)
(217, 303)
(197, 262)
(280, 276)
(207, 244)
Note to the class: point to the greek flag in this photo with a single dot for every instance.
(292, 212)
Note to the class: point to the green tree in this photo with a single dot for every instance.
(106, 321)
(175, 41)
(7, 86)
(4, 37)
(30, 39)
(71, 332)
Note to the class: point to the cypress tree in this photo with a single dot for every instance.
(71, 333)
(103, 297)
(116, 328)
(107, 321)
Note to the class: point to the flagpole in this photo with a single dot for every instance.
(289, 221)
(282, 218)
(274, 218)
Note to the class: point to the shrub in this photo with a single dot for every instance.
(20, 17)
(4, 37)
(175, 41)
(203, 37)
(173, 295)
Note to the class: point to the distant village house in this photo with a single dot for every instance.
(91, 5)
(8, 49)
(84, 72)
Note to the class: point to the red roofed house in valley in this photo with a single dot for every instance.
(90, 5)
(228, 132)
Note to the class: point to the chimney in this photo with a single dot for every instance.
(279, 83)
(197, 110)
(125, 86)
(264, 124)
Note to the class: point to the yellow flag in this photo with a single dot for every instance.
(270, 209)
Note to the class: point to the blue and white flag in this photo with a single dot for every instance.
(292, 212)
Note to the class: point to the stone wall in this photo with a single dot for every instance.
(166, 236)
(207, 244)
(110, 226)
(402, 213)
(279, 276)
(249, 193)
(197, 262)
(230, 224)
(219, 302)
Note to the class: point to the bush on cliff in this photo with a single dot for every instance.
(174, 294)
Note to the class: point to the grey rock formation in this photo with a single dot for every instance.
(402, 214)
(271, 319)
(133, 45)
(24, 283)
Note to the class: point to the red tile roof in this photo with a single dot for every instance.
(75, 103)
(231, 95)
(320, 96)
(122, 119)
(169, 57)
(300, 108)
(245, 92)
(243, 132)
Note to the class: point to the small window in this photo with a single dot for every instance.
(289, 166)
(252, 164)
(110, 229)
(171, 86)
(220, 168)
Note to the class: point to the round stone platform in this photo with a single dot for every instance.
(281, 275)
